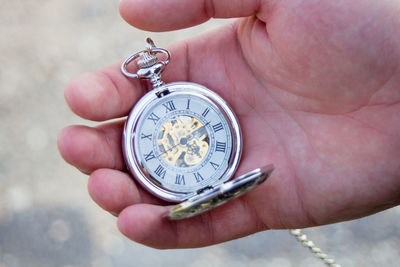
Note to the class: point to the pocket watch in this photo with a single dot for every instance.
(182, 142)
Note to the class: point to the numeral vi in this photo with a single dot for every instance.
(198, 177)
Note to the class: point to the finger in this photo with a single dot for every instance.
(107, 93)
(147, 225)
(154, 15)
(115, 190)
(103, 95)
(89, 148)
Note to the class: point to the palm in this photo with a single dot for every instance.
(317, 102)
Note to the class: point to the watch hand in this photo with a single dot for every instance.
(169, 149)
(185, 140)
(192, 134)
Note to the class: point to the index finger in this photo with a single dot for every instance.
(107, 94)
(103, 94)
(155, 15)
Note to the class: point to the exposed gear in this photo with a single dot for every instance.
(183, 141)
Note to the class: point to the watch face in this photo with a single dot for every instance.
(182, 142)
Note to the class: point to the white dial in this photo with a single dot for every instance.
(184, 142)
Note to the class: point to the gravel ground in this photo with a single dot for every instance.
(46, 215)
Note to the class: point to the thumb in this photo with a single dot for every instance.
(161, 15)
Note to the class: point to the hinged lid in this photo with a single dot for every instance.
(220, 195)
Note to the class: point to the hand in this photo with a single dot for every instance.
(316, 88)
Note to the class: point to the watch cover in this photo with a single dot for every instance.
(214, 197)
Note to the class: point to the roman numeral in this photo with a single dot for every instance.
(220, 147)
(169, 106)
(153, 117)
(198, 177)
(149, 156)
(180, 179)
(215, 165)
(217, 127)
(145, 136)
(160, 171)
(188, 104)
(205, 112)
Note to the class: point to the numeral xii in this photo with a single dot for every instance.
(169, 106)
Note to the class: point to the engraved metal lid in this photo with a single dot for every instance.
(220, 195)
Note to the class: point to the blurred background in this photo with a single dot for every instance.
(46, 215)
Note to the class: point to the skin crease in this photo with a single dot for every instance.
(316, 88)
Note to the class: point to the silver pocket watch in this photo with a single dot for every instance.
(182, 141)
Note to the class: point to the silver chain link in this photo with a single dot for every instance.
(302, 238)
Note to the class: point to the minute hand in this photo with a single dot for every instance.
(194, 133)
(186, 138)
